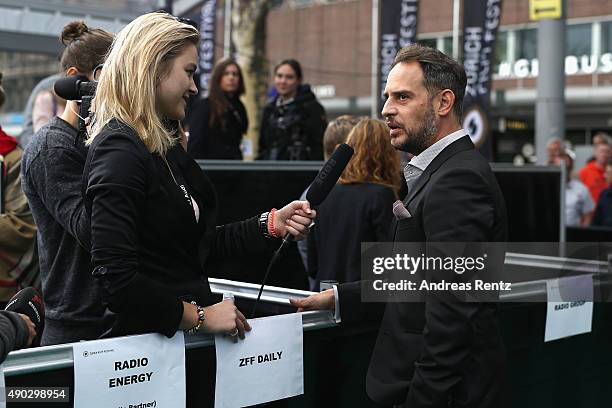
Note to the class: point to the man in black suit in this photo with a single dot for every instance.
(442, 352)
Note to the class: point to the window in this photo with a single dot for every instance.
(578, 39)
(427, 42)
(448, 45)
(527, 44)
(501, 47)
(606, 34)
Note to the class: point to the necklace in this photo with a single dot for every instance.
(181, 186)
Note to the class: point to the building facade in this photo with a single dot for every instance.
(332, 39)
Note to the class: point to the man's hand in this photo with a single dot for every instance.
(320, 301)
(31, 328)
(294, 218)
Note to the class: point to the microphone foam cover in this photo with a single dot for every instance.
(328, 176)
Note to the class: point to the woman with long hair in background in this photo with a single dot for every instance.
(219, 121)
(359, 208)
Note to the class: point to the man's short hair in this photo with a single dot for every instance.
(602, 138)
(439, 72)
(554, 140)
(337, 131)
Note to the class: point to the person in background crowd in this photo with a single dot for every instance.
(219, 121)
(579, 205)
(335, 134)
(592, 174)
(153, 210)
(45, 86)
(292, 123)
(554, 149)
(52, 180)
(16, 331)
(359, 208)
(599, 138)
(18, 254)
(603, 212)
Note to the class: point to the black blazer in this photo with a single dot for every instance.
(351, 214)
(147, 249)
(440, 353)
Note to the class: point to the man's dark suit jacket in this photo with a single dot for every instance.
(440, 353)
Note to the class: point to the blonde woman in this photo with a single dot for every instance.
(152, 209)
(359, 207)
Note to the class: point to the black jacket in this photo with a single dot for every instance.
(218, 142)
(439, 351)
(147, 249)
(351, 214)
(293, 131)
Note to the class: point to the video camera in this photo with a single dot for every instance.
(77, 88)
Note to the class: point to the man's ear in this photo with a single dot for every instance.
(446, 102)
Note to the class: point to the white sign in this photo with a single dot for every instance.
(569, 318)
(137, 371)
(267, 365)
(574, 65)
(3, 389)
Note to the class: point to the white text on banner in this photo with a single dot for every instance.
(267, 366)
(146, 370)
(574, 315)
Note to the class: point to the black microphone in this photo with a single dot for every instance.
(29, 302)
(326, 179)
(73, 88)
(317, 192)
(328, 176)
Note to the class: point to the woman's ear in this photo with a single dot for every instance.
(72, 71)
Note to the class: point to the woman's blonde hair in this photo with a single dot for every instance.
(140, 56)
(375, 160)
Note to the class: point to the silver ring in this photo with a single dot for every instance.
(234, 333)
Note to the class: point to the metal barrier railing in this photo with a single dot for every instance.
(56, 357)
(49, 358)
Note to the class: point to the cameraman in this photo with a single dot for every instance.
(51, 175)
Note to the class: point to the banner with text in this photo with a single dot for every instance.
(398, 29)
(207, 44)
(267, 365)
(480, 23)
(142, 371)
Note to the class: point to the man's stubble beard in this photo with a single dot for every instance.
(420, 139)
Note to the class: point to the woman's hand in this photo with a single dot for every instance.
(294, 218)
(223, 317)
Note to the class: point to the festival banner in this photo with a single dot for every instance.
(480, 23)
(398, 29)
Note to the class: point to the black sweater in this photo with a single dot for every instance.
(14, 333)
(221, 141)
(147, 249)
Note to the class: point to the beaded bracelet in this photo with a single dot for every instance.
(201, 318)
(271, 224)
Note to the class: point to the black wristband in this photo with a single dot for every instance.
(263, 225)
